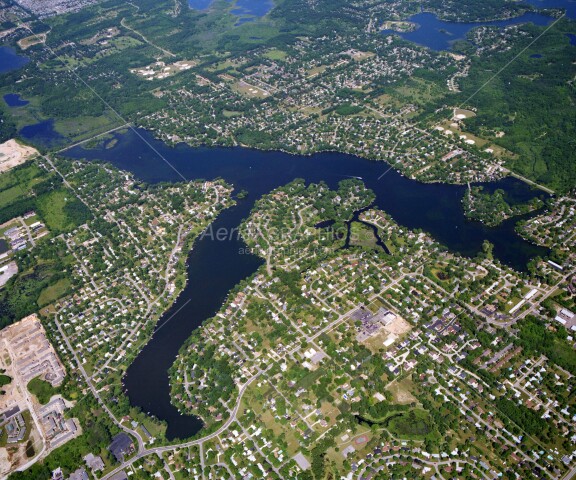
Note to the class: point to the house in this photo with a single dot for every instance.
(121, 446)
(79, 474)
(94, 463)
(57, 474)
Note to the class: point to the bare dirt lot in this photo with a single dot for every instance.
(7, 272)
(398, 327)
(27, 42)
(13, 154)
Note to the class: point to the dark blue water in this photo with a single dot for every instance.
(536, 55)
(568, 5)
(4, 247)
(439, 35)
(572, 38)
(412, 204)
(15, 100)
(42, 134)
(215, 267)
(10, 60)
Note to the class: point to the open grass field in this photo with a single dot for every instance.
(81, 128)
(313, 72)
(27, 42)
(51, 208)
(419, 91)
(275, 54)
(248, 90)
(54, 292)
(231, 113)
(362, 236)
(402, 391)
(10, 195)
(23, 178)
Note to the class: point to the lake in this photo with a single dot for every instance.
(439, 34)
(10, 60)
(215, 267)
(15, 100)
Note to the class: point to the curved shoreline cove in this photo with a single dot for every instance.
(14, 100)
(438, 34)
(42, 134)
(215, 266)
(10, 60)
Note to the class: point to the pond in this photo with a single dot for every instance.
(15, 100)
(42, 134)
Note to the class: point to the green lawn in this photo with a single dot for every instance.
(275, 54)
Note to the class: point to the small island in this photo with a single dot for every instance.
(492, 208)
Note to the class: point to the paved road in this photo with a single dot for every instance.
(432, 463)
(126, 125)
(93, 389)
(570, 474)
(168, 448)
(163, 50)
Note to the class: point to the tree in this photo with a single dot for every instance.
(487, 248)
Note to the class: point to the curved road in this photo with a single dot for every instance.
(143, 452)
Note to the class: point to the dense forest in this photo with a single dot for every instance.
(7, 127)
(535, 338)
